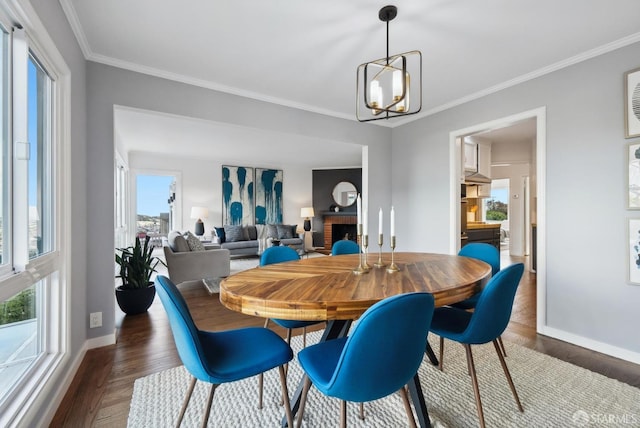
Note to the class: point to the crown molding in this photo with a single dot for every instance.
(70, 12)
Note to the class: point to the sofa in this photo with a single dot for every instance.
(187, 259)
(251, 240)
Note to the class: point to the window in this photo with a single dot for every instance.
(32, 327)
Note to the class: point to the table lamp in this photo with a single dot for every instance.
(307, 212)
(199, 213)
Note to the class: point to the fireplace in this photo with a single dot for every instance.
(337, 226)
(344, 231)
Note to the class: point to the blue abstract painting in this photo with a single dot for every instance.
(237, 195)
(268, 196)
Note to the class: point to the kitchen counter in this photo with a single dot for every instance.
(488, 233)
(473, 226)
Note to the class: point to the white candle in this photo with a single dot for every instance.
(359, 208)
(365, 227)
(380, 222)
(393, 222)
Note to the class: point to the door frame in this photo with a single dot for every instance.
(457, 176)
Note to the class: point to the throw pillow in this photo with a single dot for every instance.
(220, 234)
(177, 243)
(261, 231)
(252, 233)
(272, 231)
(294, 230)
(284, 231)
(234, 233)
(193, 242)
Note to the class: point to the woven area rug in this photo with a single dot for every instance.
(553, 393)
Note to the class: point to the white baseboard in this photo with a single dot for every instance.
(594, 345)
(98, 342)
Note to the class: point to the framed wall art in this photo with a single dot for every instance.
(268, 196)
(632, 103)
(633, 178)
(237, 195)
(633, 233)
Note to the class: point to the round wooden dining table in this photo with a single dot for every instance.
(328, 289)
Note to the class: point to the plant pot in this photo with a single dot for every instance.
(134, 301)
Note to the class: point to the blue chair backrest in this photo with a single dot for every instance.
(384, 349)
(185, 332)
(278, 254)
(493, 310)
(344, 246)
(483, 251)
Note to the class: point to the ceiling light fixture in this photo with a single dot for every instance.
(383, 86)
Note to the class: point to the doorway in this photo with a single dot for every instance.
(527, 179)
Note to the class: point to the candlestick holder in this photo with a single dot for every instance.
(379, 263)
(365, 245)
(393, 267)
(361, 267)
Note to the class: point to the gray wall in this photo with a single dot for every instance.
(586, 252)
(108, 86)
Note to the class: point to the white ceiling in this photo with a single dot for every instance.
(305, 54)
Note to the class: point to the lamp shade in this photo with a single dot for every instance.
(307, 212)
(199, 212)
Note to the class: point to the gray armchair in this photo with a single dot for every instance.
(186, 265)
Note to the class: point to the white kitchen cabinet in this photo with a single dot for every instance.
(484, 168)
(470, 157)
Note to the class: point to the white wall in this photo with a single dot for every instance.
(199, 183)
(588, 300)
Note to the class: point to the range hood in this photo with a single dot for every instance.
(476, 178)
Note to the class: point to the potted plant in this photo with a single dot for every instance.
(137, 291)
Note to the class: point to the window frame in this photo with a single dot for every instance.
(42, 386)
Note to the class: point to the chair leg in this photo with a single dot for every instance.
(304, 337)
(407, 406)
(260, 389)
(303, 400)
(185, 403)
(261, 376)
(502, 348)
(474, 379)
(362, 411)
(285, 397)
(508, 375)
(207, 409)
(441, 353)
(343, 414)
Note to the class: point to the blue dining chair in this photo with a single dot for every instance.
(344, 246)
(490, 255)
(281, 254)
(485, 324)
(380, 356)
(221, 356)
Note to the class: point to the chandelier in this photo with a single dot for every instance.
(383, 86)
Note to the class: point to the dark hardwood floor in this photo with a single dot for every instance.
(100, 393)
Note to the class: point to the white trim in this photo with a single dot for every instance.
(76, 27)
(99, 342)
(454, 197)
(594, 345)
